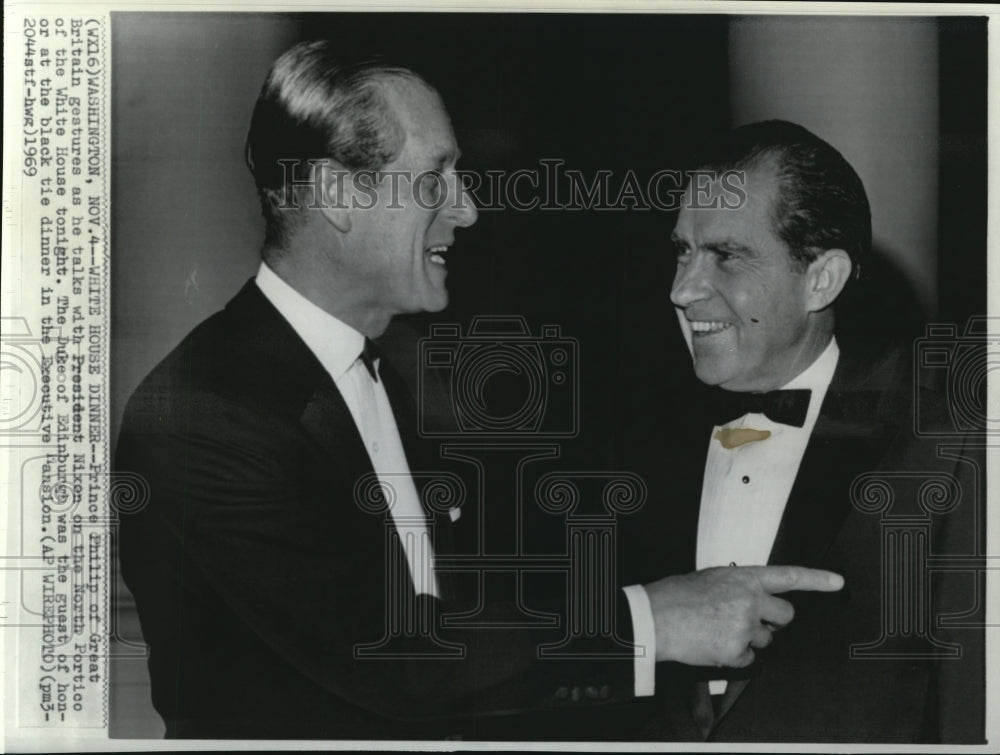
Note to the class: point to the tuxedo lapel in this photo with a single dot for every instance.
(328, 421)
(847, 440)
(277, 367)
(733, 691)
(686, 522)
(668, 526)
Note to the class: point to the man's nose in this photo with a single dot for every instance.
(462, 210)
(691, 281)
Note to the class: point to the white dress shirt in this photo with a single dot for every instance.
(745, 489)
(338, 347)
(743, 497)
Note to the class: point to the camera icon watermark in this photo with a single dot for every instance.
(499, 381)
(959, 367)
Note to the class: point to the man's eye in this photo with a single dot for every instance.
(432, 185)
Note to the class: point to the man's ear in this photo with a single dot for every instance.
(827, 275)
(334, 183)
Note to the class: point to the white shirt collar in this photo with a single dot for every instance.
(335, 343)
(818, 375)
(817, 378)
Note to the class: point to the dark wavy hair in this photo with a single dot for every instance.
(315, 106)
(821, 203)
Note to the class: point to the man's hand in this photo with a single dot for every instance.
(716, 617)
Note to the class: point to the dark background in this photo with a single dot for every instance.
(599, 91)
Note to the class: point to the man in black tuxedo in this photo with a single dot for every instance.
(263, 571)
(803, 450)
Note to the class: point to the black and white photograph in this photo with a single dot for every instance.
(471, 378)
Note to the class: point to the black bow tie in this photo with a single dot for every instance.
(789, 407)
(369, 354)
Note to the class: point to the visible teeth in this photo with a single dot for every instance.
(434, 253)
(707, 326)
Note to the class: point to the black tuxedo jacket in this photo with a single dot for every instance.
(256, 574)
(921, 676)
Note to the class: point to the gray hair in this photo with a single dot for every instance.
(313, 106)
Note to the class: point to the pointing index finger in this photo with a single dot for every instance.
(778, 579)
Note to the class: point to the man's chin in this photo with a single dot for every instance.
(436, 303)
(711, 373)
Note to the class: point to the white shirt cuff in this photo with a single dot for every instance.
(644, 637)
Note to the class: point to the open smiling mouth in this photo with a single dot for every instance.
(708, 327)
(437, 253)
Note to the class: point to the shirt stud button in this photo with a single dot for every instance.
(745, 479)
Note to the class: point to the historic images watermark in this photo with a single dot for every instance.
(314, 184)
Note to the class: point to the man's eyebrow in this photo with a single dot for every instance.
(723, 245)
(728, 245)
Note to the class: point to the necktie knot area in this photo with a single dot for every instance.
(787, 407)
(370, 355)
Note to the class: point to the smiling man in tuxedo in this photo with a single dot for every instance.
(261, 566)
(764, 472)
